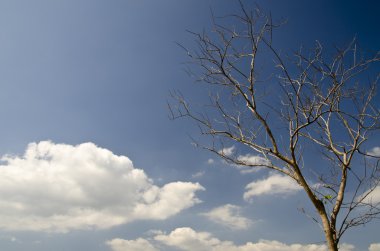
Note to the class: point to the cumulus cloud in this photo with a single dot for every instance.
(161, 203)
(58, 187)
(374, 247)
(374, 152)
(189, 240)
(131, 245)
(229, 216)
(272, 185)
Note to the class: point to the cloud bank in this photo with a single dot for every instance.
(189, 240)
(58, 187)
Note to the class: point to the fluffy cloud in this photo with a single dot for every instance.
(374, 247)
(188, 240)
(57, 187)
(229, 216)
(130, 245)
(274, 184)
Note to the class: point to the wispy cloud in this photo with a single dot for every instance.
(246, 163)
(229, 216)
(10, 238)
(372, 197)
(188, 239)
(58, 187)
(374, 152)
(228, 151)
(275, 184)
(198, 174)
(210, 161)
(250, 159)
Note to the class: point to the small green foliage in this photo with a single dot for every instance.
(328, 197)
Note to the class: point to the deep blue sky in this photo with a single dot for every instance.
(76, 71)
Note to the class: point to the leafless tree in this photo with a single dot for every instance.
(323, 102)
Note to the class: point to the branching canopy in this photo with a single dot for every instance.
(318, 101)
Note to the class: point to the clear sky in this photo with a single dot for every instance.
(90, 160)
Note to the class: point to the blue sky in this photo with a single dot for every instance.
(98, 71)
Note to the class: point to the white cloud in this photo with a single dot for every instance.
(229, 216)
(161, 203)
(228, 151)
(189, 240)
(374, 152)
(249, 159)
(374, 247)
(373, 197)
(58, 187)
(210, 161)
(139, 244)
(274, 184)
(254, 160)
(198, 174)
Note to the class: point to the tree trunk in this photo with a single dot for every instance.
(328, 228)
(332, 245)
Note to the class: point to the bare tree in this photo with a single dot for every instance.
(319, 101)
